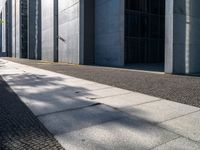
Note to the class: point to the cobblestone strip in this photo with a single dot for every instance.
(19, 128)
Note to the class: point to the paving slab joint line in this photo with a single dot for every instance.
(176, 133)
(106, 96)
(72, 109)
(179, 116)
(82, 91)
(164, 143)
(127, 107)
(122, 111)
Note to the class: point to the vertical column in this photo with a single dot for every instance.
(1, 33)
(109, 32)
(4, 30)
(69, 31)
(49, 35)
(14, 28)
(169, 30)
(55, 31)
(17, 28)
(182, 37)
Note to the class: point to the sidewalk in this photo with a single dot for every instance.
(181, 89)
(86, 115)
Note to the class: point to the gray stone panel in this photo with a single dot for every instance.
(182, 36)
(4, 30)
(68, 121)
(124, 134)
(47, 8)
(69, 31)
(109, 32)
(160, 111)
(13, 29)
(17, 29)
(187, 126)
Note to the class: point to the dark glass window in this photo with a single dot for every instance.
(144, 31)
(24, 30)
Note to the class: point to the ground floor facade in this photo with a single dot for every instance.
(104, 32)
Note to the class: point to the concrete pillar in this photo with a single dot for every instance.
(14, 28)
(16, 39)
(1, 33)
(109, 32)
(69, 31)
(76, 31)
(182, 44)
(49, 36)
(3, 51)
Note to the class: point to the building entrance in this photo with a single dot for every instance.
(144, 31)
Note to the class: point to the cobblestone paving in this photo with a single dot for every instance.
(19, 128)
(182, 89)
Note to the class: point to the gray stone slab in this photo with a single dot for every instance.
(188, 126)
(69, 121)
(123, 134)
(42, 107)
(179, 144)
(160, 111)
(121, 101)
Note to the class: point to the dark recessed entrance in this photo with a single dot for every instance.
(144, 31)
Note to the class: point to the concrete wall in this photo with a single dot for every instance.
(182, 36)
(13, 29)
(47, 20)
(34, 29)
(109, 32)
(16, 42)
(69, 31)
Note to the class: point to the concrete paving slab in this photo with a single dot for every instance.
(68, 121)
(179, 144)
(127, 100)
(52, 105)
(160, 111)
(188, 126)
(124, 134)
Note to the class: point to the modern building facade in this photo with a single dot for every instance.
(104, 32)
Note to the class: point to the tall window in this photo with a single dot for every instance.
(24, 30)
(144, 31)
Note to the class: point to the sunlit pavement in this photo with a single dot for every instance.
(86, 115)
